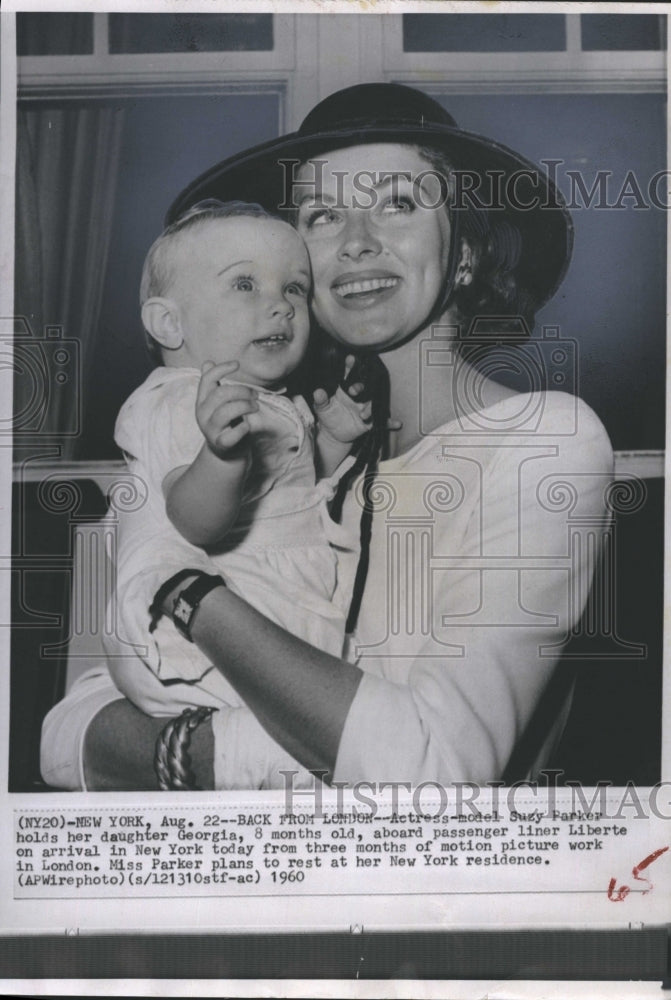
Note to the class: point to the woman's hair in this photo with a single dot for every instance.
(158, 270)
(496, 245)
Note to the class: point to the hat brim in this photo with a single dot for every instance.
(512, 187)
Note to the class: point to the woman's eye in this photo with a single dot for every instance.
(244, 284)
(398, 204)
(319, 217)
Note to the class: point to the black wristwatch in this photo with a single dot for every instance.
(188, 601)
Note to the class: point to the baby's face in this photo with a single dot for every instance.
(241, 286)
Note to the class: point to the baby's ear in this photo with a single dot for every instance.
(161, 320)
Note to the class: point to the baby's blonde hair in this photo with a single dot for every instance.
(158, 269)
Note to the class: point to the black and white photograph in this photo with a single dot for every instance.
(336, 346)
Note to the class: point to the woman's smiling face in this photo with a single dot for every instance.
(379, 252)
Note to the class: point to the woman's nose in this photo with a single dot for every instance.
(357, 237)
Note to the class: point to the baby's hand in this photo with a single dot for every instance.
(340, 415)
(221, 410)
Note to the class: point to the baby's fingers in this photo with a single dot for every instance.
(320, 398)
(211, 374)
(229, 413)
(349, 364)
(232, 435)
(365, 411)
(224, 395)
(362, 410)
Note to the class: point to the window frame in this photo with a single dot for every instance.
(570, 71)
(113, 74)
(305, 63)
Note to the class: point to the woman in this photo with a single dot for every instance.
(472, 568)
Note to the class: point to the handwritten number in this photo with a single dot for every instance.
(644, 864)
(618, 895)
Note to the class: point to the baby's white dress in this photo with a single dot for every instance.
(278, 556)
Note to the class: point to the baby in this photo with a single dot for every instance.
(228, 458)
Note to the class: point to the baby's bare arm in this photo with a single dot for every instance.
(203, 499)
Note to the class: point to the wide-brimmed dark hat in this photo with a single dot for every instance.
(510, 186)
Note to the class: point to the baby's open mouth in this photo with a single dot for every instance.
(274, 340)
(364, 286)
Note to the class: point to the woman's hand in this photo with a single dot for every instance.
(299, 694)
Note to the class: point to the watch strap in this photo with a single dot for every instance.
(156, 606)
(188, 601)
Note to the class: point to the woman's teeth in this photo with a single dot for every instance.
(365, 285)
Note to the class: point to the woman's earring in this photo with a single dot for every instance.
(464, 275)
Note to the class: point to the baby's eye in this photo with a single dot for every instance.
(244, 284)
(297, 288)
